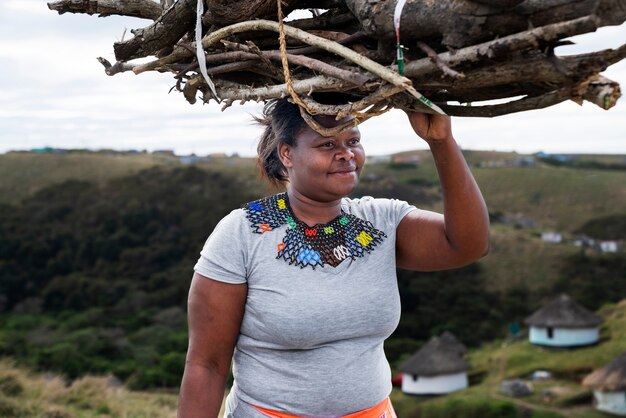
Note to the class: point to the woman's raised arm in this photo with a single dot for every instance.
(215, 312)
(430, 241)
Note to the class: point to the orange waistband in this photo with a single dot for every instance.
(381, 410)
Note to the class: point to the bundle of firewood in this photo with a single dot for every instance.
(382, 54)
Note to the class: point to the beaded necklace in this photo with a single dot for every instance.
(346, 236)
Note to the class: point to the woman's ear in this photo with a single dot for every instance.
(284, 154)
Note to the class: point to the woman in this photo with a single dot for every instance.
(301, 286)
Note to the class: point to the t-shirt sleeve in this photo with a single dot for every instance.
(381, 211)
(224, 255)
(399, 209)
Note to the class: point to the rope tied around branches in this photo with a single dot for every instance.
(283, 58)
(306, 111)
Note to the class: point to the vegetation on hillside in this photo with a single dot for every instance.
(94, 274)
(27, 395)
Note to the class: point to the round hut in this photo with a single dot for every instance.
(436, 368)
(563, 323)
(609, 386)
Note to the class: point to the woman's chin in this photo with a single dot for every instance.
(344, 188)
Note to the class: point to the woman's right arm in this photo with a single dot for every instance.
(215, 312)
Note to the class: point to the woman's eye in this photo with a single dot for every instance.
(328, 145)
(355, 141)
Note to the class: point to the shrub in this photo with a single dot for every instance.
(10, 385)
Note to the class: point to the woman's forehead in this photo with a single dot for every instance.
(329, 121)
(308, 134)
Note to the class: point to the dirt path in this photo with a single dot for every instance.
(494, 394)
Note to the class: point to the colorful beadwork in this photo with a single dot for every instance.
(347, 236)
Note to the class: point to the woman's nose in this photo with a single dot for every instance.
(344, 153)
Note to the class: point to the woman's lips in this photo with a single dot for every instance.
(348, 172)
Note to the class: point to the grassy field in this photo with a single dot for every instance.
(26, 395)
(518, 359)
(519, 257)
(22, 174)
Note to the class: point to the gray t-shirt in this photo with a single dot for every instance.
(311, 340)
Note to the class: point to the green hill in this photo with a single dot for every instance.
(24, 394)
(95, 263)
(24, 173)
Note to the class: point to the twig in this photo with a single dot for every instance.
(118, 67)
(342, 111)
(439, 62)
(241, 92)
(350, 39)
(311, 63)
(358, 118)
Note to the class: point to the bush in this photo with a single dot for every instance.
(10, 385)
(465, 408)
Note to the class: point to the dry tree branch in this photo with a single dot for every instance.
(118, 67)
(372, 66)
(163, 33)
(596, 89)
(256, 25)
(230, 91)
(311, 63)
(144, 9)
(443, 66)
(503, 47)
(521, 105)
(603, 92)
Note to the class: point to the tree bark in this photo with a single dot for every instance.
(145, 9)
(165, 32)
(459, 23)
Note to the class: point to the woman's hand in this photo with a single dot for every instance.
(431, 128)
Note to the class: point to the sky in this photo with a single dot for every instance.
(55, 93)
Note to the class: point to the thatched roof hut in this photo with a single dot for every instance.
(450, 340)
(610, 378)
(563, 312)
(609, 386)
(563, 323)
(438, 356)
(436, 368)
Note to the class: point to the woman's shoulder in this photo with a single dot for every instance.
(377, 209)
(372, 203)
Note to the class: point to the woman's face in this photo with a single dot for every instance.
(324, 168)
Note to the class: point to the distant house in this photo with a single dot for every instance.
(609, 386)
(437, 368)
(410, 159)
(164, 152)
(191, 159)
(552, 237)
(563, 323)
(609, 246)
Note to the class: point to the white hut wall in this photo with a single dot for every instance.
(563, 337)
(611, 402)
(433, 385)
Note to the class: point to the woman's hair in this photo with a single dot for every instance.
(282, 122)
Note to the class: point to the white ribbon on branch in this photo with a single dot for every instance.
(200, 51)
